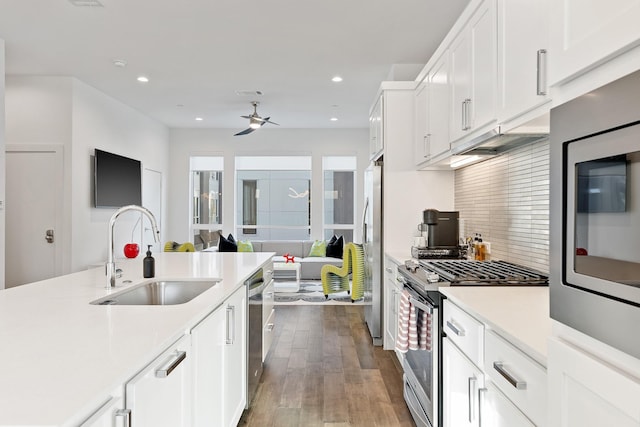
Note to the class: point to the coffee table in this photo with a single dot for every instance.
(286, 286)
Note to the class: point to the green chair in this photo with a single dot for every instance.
(336, 279)
(179, 247)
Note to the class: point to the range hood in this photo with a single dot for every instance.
(497, 140)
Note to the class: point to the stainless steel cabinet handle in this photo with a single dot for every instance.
(126, 416)
(464, 115)
(467, 114)
(165, 372)
(270, 327)
(49, 236)
(426, 153)
(231, 315)
(541, 82)
(520, 385)
(481, 392)
(458, 330)
(472, 399)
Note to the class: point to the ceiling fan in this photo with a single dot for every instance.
(255, 121)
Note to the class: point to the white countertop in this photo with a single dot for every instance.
(519, 314)
(61, 355)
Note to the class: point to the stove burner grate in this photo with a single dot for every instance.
(467, 272)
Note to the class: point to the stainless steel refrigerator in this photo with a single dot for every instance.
(373, 250)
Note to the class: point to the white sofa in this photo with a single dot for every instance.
(309, 266)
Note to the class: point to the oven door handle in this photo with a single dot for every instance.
(418, 302)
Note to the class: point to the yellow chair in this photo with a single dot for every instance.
(178, 247)
(336, 279)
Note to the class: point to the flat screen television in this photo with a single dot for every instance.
(118, 180)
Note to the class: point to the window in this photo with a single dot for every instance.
(273, 197)
(339, 196)
(206, 206)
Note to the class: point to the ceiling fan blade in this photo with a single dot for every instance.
(244, 132)
(246, 117)
(266, 120)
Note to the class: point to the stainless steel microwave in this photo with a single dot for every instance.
(595, 213)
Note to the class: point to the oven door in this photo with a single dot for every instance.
(602, 214)
(421, 368)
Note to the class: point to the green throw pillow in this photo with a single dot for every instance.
(245, 246)
(319, 248)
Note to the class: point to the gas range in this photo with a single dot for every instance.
(429, 275)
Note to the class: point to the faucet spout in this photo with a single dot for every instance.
(111, 265)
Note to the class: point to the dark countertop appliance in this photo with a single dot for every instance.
(422, 279)
(442, 235)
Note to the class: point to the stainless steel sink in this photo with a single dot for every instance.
(166, 292)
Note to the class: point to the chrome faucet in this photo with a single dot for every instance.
(111, 265)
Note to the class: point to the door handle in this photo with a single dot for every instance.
(541, 80)
(49, 236)
(178, 358)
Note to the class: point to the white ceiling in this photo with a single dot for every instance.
(198, 53)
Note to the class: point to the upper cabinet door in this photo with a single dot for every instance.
(422, 151)
(523, 41)
(438, 106)
(587, 33)
(376, 130)
(473, 73)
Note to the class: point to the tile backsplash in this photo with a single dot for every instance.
(506, 199)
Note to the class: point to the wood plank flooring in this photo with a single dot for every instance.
(324, 371)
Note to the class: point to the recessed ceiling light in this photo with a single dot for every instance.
(120, 63)
(334, 119)
(143, 79)
(86, 3)
(199, 119)
(336, 79)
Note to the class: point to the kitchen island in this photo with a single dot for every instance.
(62, 356)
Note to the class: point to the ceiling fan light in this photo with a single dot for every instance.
(254, 123)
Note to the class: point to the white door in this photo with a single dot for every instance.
(34, 179)
(152, 200)
(461, 383)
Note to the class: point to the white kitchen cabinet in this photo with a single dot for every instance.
(510, 387)
(421, 123)
(586, 391)
(438, 106)
(473, 74)
(523, 44)
(160, 395)
(498, 411)
(219, 362)
(521, 380)
(376, 129)
(587, 33)
(111, 413)
(462, 381)
(392, 289)
(431, 136)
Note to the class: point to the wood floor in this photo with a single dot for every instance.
(323, 371)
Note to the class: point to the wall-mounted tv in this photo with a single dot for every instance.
(118, 180)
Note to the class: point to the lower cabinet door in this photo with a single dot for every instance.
(159, 395)
(462, 381)
(235, 366)
(585, 391)
(498, 411)
(111, 413)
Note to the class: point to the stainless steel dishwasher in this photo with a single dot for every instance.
(255, 287)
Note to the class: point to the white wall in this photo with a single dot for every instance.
(314, 142)
(66, 111)
(2, 164)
